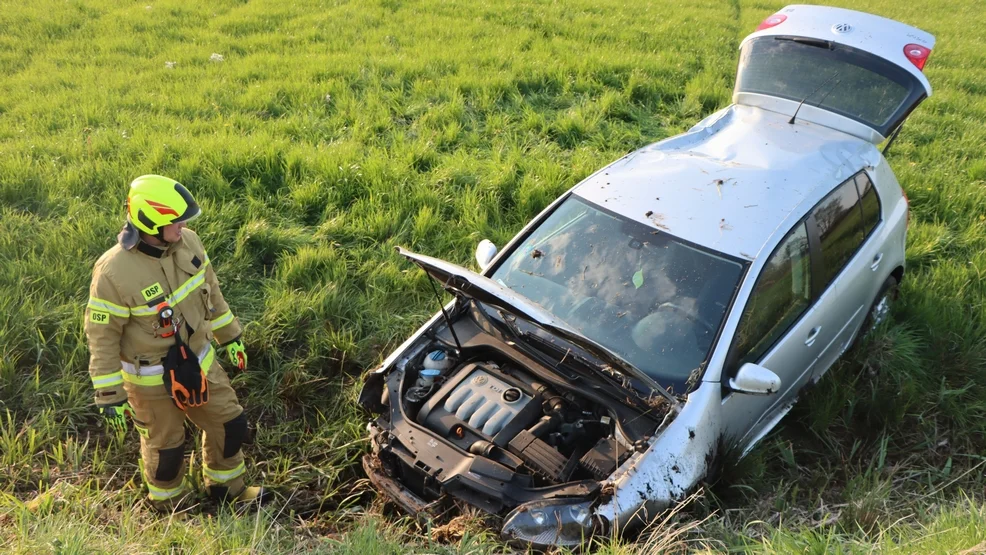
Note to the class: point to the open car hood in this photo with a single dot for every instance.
(463, 282)
(466, 283)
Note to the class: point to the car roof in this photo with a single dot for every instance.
(731, 181)
(877, 35)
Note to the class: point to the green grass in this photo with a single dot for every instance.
(333, 131)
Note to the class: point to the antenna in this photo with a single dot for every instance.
(828, 92)
(826, 82)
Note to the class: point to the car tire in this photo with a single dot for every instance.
(880, 309)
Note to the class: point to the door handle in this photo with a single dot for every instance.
(876, 261)
(812, 335)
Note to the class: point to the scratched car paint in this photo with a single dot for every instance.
(666, 311)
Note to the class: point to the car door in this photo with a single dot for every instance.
(843, 276)
(777, 330)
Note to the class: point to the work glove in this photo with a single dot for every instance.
(236, 351)
(116, 414)
(183, 377)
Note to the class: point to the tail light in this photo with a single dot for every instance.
(774, 21)
(917, 54)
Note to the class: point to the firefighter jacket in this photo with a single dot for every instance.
(126, 339)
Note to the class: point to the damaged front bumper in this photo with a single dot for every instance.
(557, 522)
(408, 501)
(563, 522)
(418, 469)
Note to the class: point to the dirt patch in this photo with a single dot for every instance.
(471, 519)
(977, 550)
(657, 219)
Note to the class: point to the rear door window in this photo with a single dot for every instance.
(869, 202)
(840, 229)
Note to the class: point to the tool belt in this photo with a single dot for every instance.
(145, 373)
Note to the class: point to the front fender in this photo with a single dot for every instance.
(677, 459)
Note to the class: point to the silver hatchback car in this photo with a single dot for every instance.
(668, 309)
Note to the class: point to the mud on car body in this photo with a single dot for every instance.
(674, 302)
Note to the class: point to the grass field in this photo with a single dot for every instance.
(319, 135)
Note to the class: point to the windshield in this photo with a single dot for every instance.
(837, 78)
(655, 300)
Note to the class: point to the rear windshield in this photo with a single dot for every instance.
(837, 78)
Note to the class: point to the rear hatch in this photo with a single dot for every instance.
(855, 72)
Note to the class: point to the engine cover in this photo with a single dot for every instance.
(483, 401)
(486, 403)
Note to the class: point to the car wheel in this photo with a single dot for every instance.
(880, 309)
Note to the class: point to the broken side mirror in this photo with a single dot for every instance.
(755, 380)
(485, 252)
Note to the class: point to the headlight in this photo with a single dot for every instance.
(553, 522)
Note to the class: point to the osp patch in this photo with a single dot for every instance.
(99, 317)
(152, 292)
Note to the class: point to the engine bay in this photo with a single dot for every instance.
(497, 411)
(506, 436)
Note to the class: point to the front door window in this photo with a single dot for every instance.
(780, 297)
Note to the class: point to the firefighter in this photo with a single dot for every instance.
(154, 310)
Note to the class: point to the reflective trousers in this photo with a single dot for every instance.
(161, 426)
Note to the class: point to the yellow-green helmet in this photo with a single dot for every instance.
(155, 201)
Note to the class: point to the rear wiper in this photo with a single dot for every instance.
(817, 43)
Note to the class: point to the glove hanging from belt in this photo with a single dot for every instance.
(183, 376)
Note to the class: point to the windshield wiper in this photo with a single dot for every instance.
(570, 359)
(510, 320)
(622, 370)
(620, 375)
(565, 354)
(566, 360)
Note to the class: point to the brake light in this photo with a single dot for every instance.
(917, 54)
(772, 21)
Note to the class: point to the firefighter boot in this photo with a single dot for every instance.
(247, 496)
(182, 502)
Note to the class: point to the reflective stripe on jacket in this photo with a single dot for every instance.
(121, 318)
(154, 374)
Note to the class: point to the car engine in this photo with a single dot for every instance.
(493, 409)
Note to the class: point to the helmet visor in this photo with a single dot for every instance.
(192, 209)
